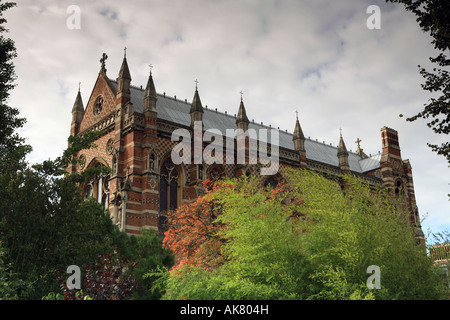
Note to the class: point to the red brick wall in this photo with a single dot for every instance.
(101, 88)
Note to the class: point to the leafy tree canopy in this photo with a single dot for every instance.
(433, 17)
(305, 239)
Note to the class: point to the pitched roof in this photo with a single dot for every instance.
(196, 103)
(124, 70)
(78, 104)
(177, 111)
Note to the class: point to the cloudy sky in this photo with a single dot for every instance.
(315, 56)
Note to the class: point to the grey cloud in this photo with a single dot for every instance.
(317, 57)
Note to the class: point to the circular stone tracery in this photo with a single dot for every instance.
(98, 105)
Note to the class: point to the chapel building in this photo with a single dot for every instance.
(144, 183)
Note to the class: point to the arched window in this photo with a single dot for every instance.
(114, 165)
(168, 187)
(400, 193)
(168, 192)
(152, 161)
(105, 191)
(200, 171)
(89, 189)
(98, 187)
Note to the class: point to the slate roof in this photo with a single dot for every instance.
(177, 111)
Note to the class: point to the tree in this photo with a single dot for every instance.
(123, 274)
(307, 240)
(145, 254)
(12, 147)
(192, 235)
(10, 285)
(47, 225)
(45, 222)
(105, 279)
(253, 240)
(347, 232)
(433, 17)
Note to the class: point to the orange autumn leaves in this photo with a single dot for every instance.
(192, 234)
(196, 237)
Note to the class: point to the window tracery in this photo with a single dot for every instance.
(98, 105)
(110, 146)
(98, 187)
(168, 186)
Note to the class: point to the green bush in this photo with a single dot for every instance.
(310, 239)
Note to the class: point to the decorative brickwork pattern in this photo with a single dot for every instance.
(136, 142)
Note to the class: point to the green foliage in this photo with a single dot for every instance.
(10, 285)
(158, 277)
(195, 283)
(9, 140)
(53, 296)
(45, 224)
(48, 226)
(263, 260)
(124, 274)
(148, 254)
(432, 16)
(335, 285)
(348, 232)
(310, 240)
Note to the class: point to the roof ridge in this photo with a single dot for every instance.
(141, 88)
(225, 113)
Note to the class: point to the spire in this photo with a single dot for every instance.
(124, 71)
(150, 95)
(150, 90)
(196, 107)
(124, 79)
(298, 133)
(78, 105)
(242, 115)
(77, 113)
(342, 155)
(299, 143)
(342, 149)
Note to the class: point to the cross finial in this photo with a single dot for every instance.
(340, 130)
(241, 94)
(151, 67)
(296, 113)
(196, 83)
(102, 61)
(358, 140)
(79, 84)
(125, 52)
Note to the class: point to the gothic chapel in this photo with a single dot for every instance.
(144, 183)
